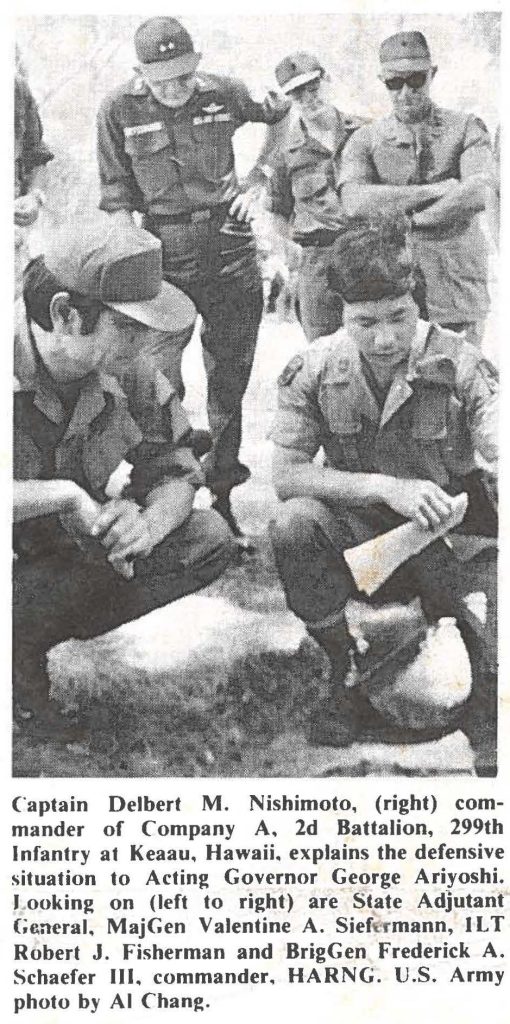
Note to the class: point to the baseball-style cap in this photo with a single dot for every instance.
(296, 70)
(404, 51)
(165, 49)
(121, 266)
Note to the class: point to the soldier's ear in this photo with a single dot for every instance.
(63, 315)
(433, 71)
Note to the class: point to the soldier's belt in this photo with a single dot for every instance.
(317, 238)
(215, 213)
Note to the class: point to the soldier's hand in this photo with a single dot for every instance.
(441, 188)
(421, 500)
(123, 530)
(79, 521)
(243, 207)
(276, 105)
(26, 209)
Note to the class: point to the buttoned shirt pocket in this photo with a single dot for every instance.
(396, 164)
(103, 450)
(310, 184)
(212, 136)
(430, 413)
(26, 456)
(342, 446)
(430, 432)
(316, 198)
(155, 166)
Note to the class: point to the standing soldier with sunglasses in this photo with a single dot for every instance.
(435, 165)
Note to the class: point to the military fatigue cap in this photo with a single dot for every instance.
(165, 49)
(121, 266)
(404, 51)
(296, 70)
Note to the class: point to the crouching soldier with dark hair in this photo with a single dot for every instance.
(405, 413)
(89, 558)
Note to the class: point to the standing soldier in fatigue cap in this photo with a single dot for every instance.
(405, 412)
(436, 165)
(165, 150)
(302, 185)
(91, 552)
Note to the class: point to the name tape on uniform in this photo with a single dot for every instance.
(142, 129)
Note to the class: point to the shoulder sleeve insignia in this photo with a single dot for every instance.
(489, 374)
(287, 375)
(480, 124)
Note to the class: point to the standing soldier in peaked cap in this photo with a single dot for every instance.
(436, 165)
(405, 412)
(91, 553)
(302, 185)
(165, 150)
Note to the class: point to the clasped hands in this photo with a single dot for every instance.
(120, 526)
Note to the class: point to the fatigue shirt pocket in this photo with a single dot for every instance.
(27, 458)
(154, 164)
(343, 425)
(307, 185)
(430, 431)
(315, 194)
(212, 135)
(395, 163)
(104, 449)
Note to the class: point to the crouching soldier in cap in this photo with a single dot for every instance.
(89, 558)
(301, 185)
(404, 412)
(165, 150)
(436, 165)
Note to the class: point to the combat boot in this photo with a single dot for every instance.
(201, 443)
(222, 505)
(38, 717)
(338, 722)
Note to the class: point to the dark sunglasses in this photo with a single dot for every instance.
(416, 80)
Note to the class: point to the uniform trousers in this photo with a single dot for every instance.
(309, 539)
(70, 593)
(215, 264)
(320, 309)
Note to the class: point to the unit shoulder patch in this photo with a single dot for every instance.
(489, 374)
(287, 375)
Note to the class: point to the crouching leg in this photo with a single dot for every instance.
(308, 541)
(73, 594)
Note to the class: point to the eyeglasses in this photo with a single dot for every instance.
(416, 80)
(309, 87)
